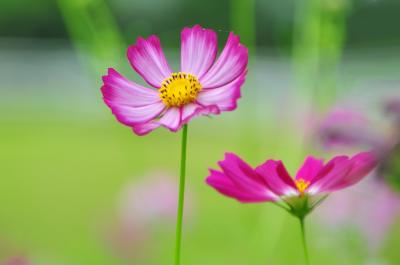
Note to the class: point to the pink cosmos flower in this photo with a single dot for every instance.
(271, 182)
(200, 87)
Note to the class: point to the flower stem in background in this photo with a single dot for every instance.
(243, 21)
(303, 238)
(93, 31)
(319, 35)
(318, 40)
(181, 201)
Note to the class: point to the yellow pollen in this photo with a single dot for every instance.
(179, 89)
(302, 185)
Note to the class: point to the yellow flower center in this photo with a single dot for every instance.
(301, 185)
(179, 89)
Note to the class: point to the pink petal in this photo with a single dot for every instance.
(231, 63)
(277, 178)
(131, 103)
(147, 58)
(189, 110)
(119, 90)
(135, 115)
(245, 178)
(171, 119)
(243, 175)
(310, 169)
(144, 128)
(362, 164)
(192, 110)
(330, 174)
(227, 187)
(329, 167)
(224, 97)
(198, 51)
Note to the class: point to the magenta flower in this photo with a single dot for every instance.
(200, 87)
(271, 181)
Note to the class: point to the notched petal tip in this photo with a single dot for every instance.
(198, 50)
(197, 27)
(148, 60)
(231, 63)
(106, 77)
(230, 157)
(213, 173)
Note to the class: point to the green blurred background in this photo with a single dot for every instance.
(65, 160)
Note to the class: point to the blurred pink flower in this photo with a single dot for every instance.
(150, 200)
(271, 182)
(348, 130)
(344, 128)
(371, 209)
(392, 108)
(201, 87)
(18, 260)
(142, 206)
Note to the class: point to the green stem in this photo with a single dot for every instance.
(181, 201)
(303, 237)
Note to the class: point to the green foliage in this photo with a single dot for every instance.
(390, 168)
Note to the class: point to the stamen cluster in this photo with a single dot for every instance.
(302, 185)
(179, 89)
